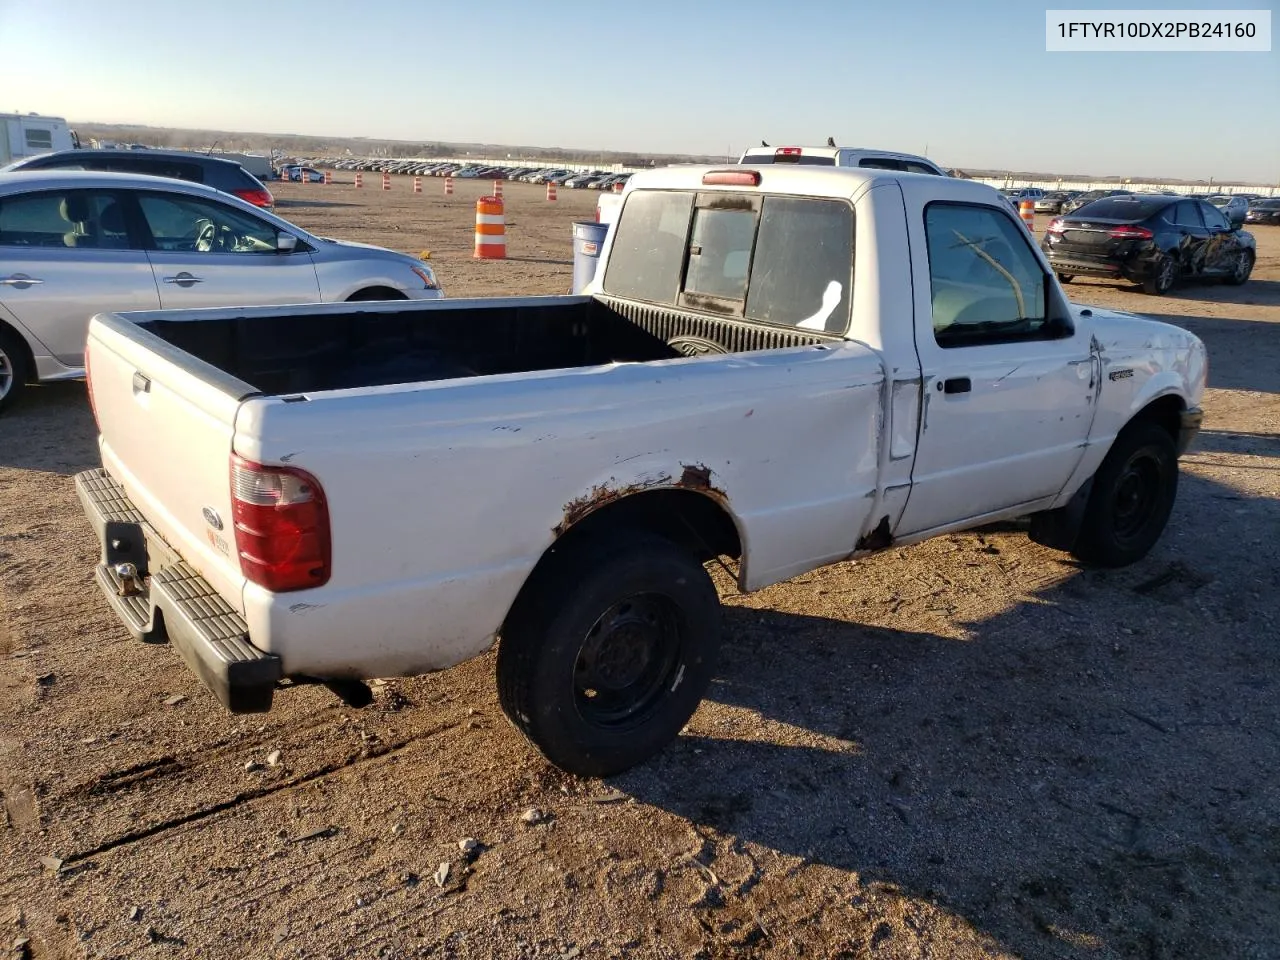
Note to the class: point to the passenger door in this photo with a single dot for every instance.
(1189, 224)
(1221, 243)
(1009, 384)
(66, 255)
(209, 254)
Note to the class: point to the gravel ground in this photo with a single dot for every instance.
(970, 748)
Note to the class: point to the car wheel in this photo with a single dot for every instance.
(1131, 498)
(1066, 277)
(609, 650)
(1162, 276)
(14, 370)
(1243, 267)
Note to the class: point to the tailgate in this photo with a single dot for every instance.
(166, 421)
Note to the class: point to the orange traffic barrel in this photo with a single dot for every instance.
(1027, 211)
(417, 184)
(497, 189)
(386, 181)
(551, 190)
(617, 188)
(491, 229)
(448, 186)
(328, 178)
(359, 180)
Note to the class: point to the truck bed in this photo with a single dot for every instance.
(288, 352)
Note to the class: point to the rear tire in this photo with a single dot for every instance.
(1066, 277)
(15, 369)
(1131, 499)
(1244, 266)
(1162, 276)
(608, 651)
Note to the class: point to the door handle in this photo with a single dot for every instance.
(957, 385)
(20, 280)
(141, 383)
(184, 279)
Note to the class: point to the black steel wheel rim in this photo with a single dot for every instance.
(1166, 274)
(628, 660)
(1137, 495)
(6, 374)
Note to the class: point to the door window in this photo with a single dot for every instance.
(182, 223)
(1187, 214)
(1214, 218)
(987, 285)
(63, 218)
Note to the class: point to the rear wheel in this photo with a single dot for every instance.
(1066, 277)
(1163, 273)
(608, 651)
(14, 369)
(1132, 497)
(1242, 268)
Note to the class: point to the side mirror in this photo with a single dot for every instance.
(286, 242)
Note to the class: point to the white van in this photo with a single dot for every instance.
(28, 134)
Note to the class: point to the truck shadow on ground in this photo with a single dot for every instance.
(1249, 444)
(1091, 764)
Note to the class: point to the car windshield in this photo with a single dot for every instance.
(1123, 208)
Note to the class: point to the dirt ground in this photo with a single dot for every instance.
(970, 748)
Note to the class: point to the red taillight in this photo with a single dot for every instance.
(1057, 226)
(787, 152)
(732, 178)
(282, 526)
(1130, 233)
(259, 198)
(88, 384)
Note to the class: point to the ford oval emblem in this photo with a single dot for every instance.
(211, 517)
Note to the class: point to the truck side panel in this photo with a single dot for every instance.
(434, 533)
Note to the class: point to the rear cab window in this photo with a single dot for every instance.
(786, 261)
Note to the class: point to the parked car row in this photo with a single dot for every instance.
(571, 179)
(1235, 206)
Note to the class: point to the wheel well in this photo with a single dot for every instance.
(25, 347)
(1165, 411)
(376, 293)
(694, 520)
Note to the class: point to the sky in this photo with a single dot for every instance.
(969, 84)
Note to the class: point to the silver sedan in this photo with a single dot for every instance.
(73, 244)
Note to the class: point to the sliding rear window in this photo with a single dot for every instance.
(779, 260)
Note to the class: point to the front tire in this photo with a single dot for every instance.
(1163, 273)
(1131, 499)
(1243, 267)
(608, 651)
(14, 369)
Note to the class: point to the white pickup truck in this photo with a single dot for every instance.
(786, 366)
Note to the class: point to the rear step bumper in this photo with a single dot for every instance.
(170, 600)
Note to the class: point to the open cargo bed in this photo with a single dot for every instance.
(296, 350)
